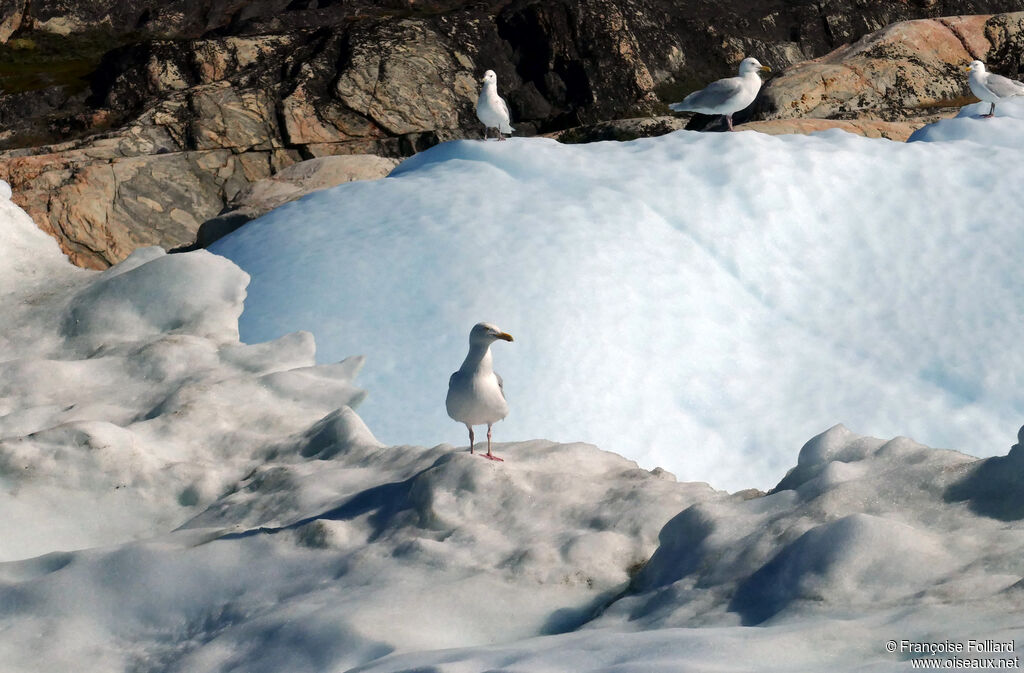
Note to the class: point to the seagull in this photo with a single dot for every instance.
(491, 109)
(475, 392)
(726, 96)
(990, 87)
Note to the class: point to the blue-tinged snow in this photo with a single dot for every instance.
(175, 501)
(1003, 130)
(700, 302)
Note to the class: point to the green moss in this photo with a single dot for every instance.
(35, 60)
(22, 44)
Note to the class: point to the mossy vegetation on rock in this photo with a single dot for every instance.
(35, 60)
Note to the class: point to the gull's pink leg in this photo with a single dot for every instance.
(489, 454)
(470, 437)
(991, 112)
(728, 120)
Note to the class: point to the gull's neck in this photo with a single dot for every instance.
(478, 359)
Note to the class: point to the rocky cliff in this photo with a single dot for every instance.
(129, 123)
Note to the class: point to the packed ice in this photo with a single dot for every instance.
(177, 499)
(698, 302)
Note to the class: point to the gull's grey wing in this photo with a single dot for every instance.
(504, 105)
(1004, 87)
(712, 96)
(501, 385)
(455, 380)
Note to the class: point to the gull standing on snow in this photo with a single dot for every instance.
(990, 87)
(726, 96)
(475, 392)
(491, 109)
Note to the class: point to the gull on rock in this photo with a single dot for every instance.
(990, 87)
(726, 96)
(491, 109)
(475, 392)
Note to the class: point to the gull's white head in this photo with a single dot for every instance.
(490, 78)
(484, 333)
(751, 64)
(975, 66)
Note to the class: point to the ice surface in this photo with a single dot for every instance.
(176, 501)
(702, 302)
(1002, 131)
(126, 399)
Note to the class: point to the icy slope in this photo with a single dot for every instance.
(1001, 131)
(865, 541)
(125, 397)
(860, 523)
(177, 502)
(701, 302)
(320, 565)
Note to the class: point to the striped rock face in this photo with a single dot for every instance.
(907, 71)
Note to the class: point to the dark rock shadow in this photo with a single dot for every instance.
(215, 229)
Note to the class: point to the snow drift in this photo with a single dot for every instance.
(697, 302)
(125, 397)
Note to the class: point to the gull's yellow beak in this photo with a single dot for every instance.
(967, 67)
(766, 68)
(505, 336)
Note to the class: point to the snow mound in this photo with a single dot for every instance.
(126, 399)
(874, 552)
(701, 302)
(859, 523)
(195, 504)
(857, 560)
(29, 254)
(1004, 130)
(144, 295)
(332, 563)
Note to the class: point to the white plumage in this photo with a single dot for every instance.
(491, 109)
(990, 87)
(726, 96)
(475, 393)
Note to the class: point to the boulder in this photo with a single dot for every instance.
(289, 184)
(402, 77)
(100, 210)
(11, 13)
(908, 70)
(621, 129)
(308, 176)
(870, 128)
